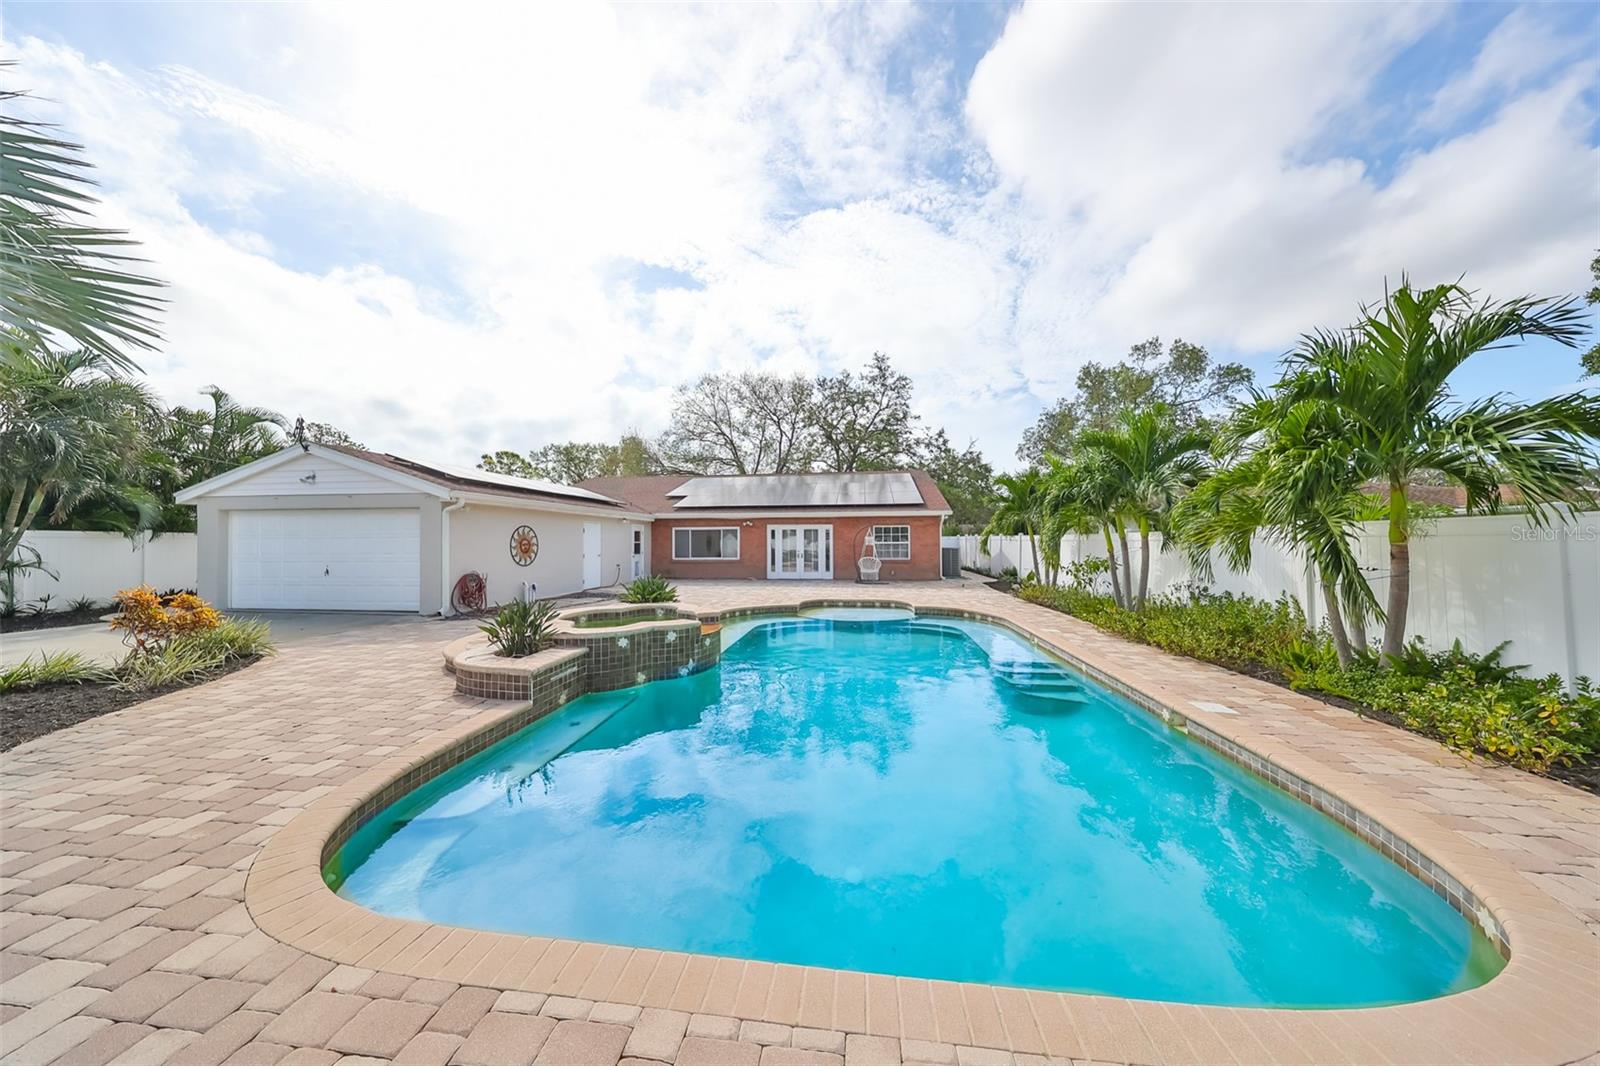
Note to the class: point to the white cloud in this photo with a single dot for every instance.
(1177, 145)
(1115, 171)
(1521, 48)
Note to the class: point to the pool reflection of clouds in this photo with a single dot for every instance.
(834, 798)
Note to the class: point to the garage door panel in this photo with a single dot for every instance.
(350, 560)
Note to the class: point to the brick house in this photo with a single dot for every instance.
(776, 526)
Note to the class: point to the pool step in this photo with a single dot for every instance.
(1045, 680)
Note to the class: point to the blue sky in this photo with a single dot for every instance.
(528, 226)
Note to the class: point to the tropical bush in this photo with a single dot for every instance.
(1233, 631)
(188, 655)
(234, 638)
(178, 660)
(1471, 703)
(148, 623)
(48, 669)
(521, 627)
(649, 590)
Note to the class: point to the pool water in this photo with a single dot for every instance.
(932, 800)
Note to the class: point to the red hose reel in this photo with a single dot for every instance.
(470, 594)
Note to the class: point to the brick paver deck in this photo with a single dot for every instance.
(126, 935)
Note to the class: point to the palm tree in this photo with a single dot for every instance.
(229, 434)
(1152, 461)
(1289, 486)
(60, 276)
(1080, 497)
(1020, 510)
(1380, 390)
(71, 431)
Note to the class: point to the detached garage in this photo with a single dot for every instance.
(325, 528)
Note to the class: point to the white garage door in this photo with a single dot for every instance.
(353, 560)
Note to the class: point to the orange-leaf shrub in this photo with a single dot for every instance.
(147, 623)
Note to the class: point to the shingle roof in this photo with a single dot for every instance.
(651, 493)
(482, 481)
(1443, 495)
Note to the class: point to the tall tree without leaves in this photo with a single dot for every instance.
(746, 423)
(758, 423)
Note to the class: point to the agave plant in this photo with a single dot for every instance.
(521, 627)
(649, 590)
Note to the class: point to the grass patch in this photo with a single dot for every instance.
(66, 667)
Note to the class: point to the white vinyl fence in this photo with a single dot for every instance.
(98, 565)
(1480, 579)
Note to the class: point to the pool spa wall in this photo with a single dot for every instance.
(619, 656)
(611, 647)
(554, 682)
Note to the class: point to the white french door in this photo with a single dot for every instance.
(800, 552)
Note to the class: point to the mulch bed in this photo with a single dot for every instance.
(18, 623)
(29, 713)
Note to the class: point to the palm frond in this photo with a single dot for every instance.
(61, 277)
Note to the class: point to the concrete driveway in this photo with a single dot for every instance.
(96, 641)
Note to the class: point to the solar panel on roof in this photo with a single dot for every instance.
(801, 490)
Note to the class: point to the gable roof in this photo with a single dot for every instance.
(474, 480)
(431, 478)
(670, 494)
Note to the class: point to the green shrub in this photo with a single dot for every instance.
(1528, 722)
(649, 590)
(235, 638)
(177, 660)
(192, 654)
(64, 666)
(522, 627)
(1471, 703)
(1233, 631)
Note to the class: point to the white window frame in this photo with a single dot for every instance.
(738, 545)
(878, 545)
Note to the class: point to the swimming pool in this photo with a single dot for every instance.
(921, 798)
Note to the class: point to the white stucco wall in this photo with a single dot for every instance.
(480, 539)
(475, 536)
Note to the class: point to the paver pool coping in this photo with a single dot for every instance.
(1539, 1006)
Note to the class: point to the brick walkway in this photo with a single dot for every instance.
(125, 937)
